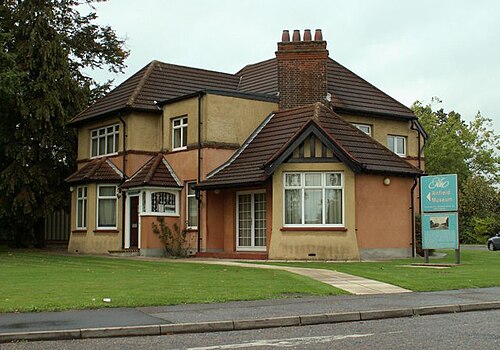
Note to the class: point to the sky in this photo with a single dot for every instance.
(411, 50)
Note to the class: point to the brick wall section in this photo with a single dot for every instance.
(302, 72)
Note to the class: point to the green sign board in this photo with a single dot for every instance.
(439, 193)
(440, 230)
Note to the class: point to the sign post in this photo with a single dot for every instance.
(439, 199)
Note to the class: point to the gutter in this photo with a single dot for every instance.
(124, 160)
(412, 208)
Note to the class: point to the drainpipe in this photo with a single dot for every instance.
(420, 150)
(124, 159)
(198, 194)
(412, 207)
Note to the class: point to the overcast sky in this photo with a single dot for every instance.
(412, 50)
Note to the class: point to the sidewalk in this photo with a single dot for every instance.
(239, 315)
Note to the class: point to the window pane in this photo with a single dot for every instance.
(245, 220)
(333, 206)
(79, 215)
(313, 179)
(313, 206)
(292, 179)
(107, 191)
(102, 146)
(107, 213)
(109, 144)
(94, 147)
(333, 180)
(184, 136)
(293, 207)
(177, 122)
(192, 212)
(191, 190)
(390, 143)
(260, 219)
(177, 138)
(400, 145)
(115, 146)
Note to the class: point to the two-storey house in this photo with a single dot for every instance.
(293, 157)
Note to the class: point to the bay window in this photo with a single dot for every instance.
(314, 199)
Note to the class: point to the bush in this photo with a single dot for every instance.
(173, 242)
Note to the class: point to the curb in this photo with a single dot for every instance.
(224, 326)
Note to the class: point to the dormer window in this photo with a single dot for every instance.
(104, 141)
(179, 133)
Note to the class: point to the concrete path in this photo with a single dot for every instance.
(352, 284)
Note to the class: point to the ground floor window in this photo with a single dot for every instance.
(163, 202)
(106, 206)
(314, 199)
(81, 207)
(251, 221)
(192, 206)
(159, 201)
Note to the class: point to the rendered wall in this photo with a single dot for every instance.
(326, 245)
(383, 216)
(92, 240)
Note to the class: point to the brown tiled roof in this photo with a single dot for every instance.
(97, 170)
(160, 81)
(156, 172)
(251, 163)
(349, 91)
(157, 81)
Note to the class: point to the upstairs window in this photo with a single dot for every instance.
(104, 141)
(397, 144)
(367, 129)
(179, 133)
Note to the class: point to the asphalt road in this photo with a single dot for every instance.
(469, 330)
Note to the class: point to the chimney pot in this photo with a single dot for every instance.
(318, 36)
(296, 35)
(307, 35)
(285, 37)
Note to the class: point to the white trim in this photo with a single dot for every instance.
(116, 144)
(181, 126)
(172, 172)
(116, 207)
(115, 168)
(253, 247)
(242, 148)
(323, 187)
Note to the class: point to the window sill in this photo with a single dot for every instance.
(104, 155)
(159, 214)
(191, 229)
(79, 230)
(102, 230)
(318, 228)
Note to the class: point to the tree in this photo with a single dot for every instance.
(472, 151)
(48, 44)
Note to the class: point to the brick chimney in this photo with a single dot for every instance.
(301, 69)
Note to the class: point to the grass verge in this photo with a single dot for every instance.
(478, 269)
(37, 281)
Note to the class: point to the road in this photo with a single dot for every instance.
(469, 330)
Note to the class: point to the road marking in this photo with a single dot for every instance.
(284, 343)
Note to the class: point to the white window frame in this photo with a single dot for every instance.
(188, 198)
(392, 142)
(368, 128)
(323, 186)
(183, 124)
(115, 136)
(81, 202)
(253, 247)
(146, 205)
(115, 197)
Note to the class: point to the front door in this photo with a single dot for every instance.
(134, 222)
(251, 221)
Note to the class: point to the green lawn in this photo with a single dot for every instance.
(477, 269)
(37, 281)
